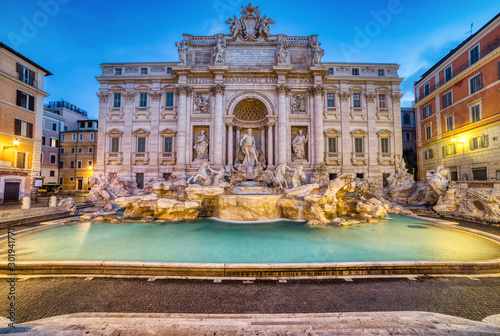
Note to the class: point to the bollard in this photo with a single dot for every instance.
(26, 203)
(52, 201)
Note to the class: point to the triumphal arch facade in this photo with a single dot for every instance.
(170, 118)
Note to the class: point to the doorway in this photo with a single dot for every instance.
(79, 184)
(11, 192)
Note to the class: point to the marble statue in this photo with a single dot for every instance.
(202, 176)
(219, 52)
(318, 53)
(247, 143)
(280, 176)
(282, 50)
(201, 147)
(400, 184)
(298, 174)
(236, 27)
(183, 52)
(218, 176)
(299, 146)
(201, 104)
(264, 26)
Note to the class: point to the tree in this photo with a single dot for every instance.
(410, 157)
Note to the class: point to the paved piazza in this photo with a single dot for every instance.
(471, 298)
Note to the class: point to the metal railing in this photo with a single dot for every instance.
(486, 50)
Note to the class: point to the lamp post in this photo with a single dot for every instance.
(15, 144)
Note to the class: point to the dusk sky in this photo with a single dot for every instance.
(76, 36)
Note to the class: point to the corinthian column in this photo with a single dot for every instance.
(282, 91)
(319, 151)
(230, 143)
(218, 134)
(270, 141)
(182, 92)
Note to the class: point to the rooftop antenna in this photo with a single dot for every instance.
(470, 31)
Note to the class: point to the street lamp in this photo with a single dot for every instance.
(15, 144)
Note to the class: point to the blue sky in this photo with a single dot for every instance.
(72, 37)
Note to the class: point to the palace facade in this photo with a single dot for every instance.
(163, 119)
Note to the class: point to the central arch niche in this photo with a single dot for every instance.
(250, 110)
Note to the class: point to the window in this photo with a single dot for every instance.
(428, 132)
(475, 84)
(91, 149)
(330, 72)
(117, 100)
(382, 101)
(333, 176)
(114, 145)
(79, 164)
(447, 99)
(475, 113)
(449, 149)
(358, 145)
(170, 99)
(170, 71)
(80, 149)
(23, 128)
(72, 164)
(65, 128)
(474, 55)
(406, 119)
(143, 101)
(82, 124)
(427, 89)
(41, 157)
(139, 179)
(144, 71)
(450, 123)
(141, 145)
(448, 74)
(54, 127)
(355, 72)
(429, 154)
(61, 150)
(384, 145)
(73, 150)
(330, 99)
(381, 72)
(72, 179)
(25, 100)
(43, 140)
(91, 136)
(454, 175)
(25, 75)
(356, 100)
(54, 143)
(360, 176)
(168, 145)
(407, 136)
(478, 142)
(63, 137)
(52, 173)
(332, 145)
(90, 163)
(53, 158)
(21, 160)
(89, 124)
(61, 164)
(118, 71)
(61, 181)
(74, 137)
(166, 176)
(80, 137)
(479, 174)
(427, 111)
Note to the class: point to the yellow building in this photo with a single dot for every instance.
(21, 116)
(77, 156)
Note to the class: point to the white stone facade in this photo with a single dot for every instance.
(269, 83)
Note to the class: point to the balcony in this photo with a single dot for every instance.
(140, 158)
(359, 159)
(358, 113)
(385, 159)
(383, 113)
(114, 158)
(332, 112)
(142, 113)
(334, 159)
(166, 158)
(486, 50)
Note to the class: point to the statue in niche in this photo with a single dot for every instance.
(183, 52)
(236, 27)
(201, 104)
(201, 147)
(299, 146)
(318, 52)
(247, 143)
(202, 176)
(298, 174)
(282, 49)
(219, 51)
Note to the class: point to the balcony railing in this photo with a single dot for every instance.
(486, 50)
(167, 158)
(115, 157)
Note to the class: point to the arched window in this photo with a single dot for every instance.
(406, 119)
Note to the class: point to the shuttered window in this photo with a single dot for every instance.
(23, 128)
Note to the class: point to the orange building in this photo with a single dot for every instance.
(458, 110)
(21, 115)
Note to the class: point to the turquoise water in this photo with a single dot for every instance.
(208, 241)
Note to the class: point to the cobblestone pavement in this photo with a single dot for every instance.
(471, 298)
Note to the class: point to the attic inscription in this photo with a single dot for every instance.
(250, 56)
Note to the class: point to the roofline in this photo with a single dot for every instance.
(454, 51)
(47, 72)
(175, 63)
